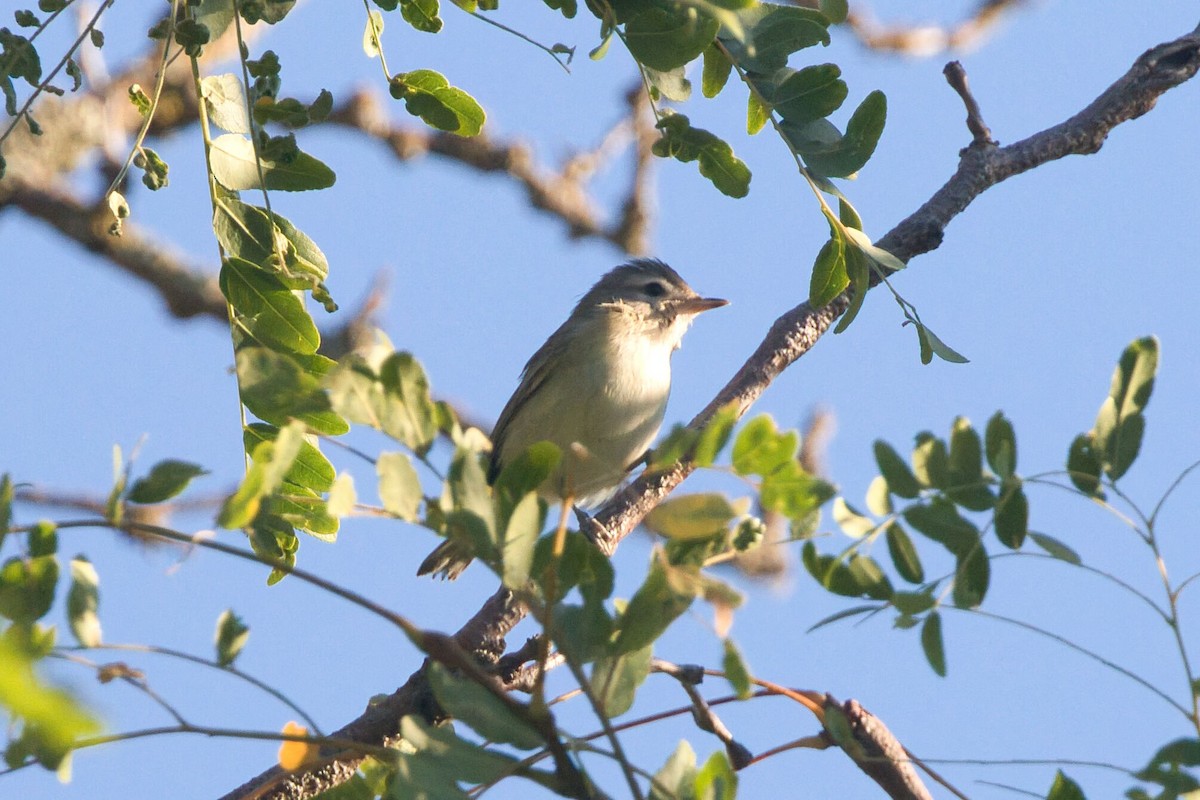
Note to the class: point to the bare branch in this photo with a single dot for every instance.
(929, 40)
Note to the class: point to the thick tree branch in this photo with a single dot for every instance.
(790, 337)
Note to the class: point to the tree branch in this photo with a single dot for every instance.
(790, 337)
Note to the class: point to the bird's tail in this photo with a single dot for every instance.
(447, 561)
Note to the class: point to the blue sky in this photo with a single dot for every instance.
(1041, 283)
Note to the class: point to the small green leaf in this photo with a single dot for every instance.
(879, 501)
(716, 780)
(829, 276)
(83, 599)
(886, 260)
(235, 167)
(428, 95)
(371, 33)
(967, 485)
(809, 94)
(6, 500)
(717, 162)
(666, 40)
(442, 759)
(692, 516)
(760, 448)
(853, 523)
(858, 576)
(27, 588)
(736, 671)
(852, 151)
(520, 536)
(272, 314)
(277, 387)
(616, 678)
(835, 11)
(421, 14)
(311, 470)
(913, 603)
(904, 554)
(971, 577)
(1083, 465)
(1064, 788)
(231, 636)
(1055, 548)
(481, 709)
(932, 346)
(1117, 433)
(582, 632)
(1001, 445)
(524, 474)
(717, 67)
(225, 102)
(931, 462)
(1011, 517)
(758, 114)
(399, 485)
(165, 480)
(271, 462)
(676, 778)
(900, 479)
(667, 592)
(714, 436)
(932, 644)
(941, 522)
(794, 493)
(774, 32)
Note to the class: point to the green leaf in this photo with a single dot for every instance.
(886, 260)
(879, 501)
(931, 462)
(395, 402)
(932, 346)
(858, 576)
(1117, 434)
(904, 554)
(835, 11)
(271, 462)
(941, 522)
(42, 539)
(714, 436)
(760, 448)
(277, 387)
(667, 592)
(165, 480)
(829, 276)
(716, 780)
(272, 314)
(1055, 548)
(442, 759)
(717, 162)
(692, 516)
(524, 474)
(53, 720)
(6, 500)
(1011, 517)
(845, 613)
(675, 779)
(852, 522)
(262, 238)
(665, 40)
(794, 493)
(234, 166)
(520, 536)
(428, 95)
(27, 588)
(967, 485)
(616, 678)
(736, 671)
(421, 14)
(83, 598)
(582, 632)
(342, 496)
(311, 469)
(971, 577)
(225, 102)
(371, 43)
(1064, 788)
(774, 32)
(483, 711)
(404, 378)
(717, 67)
(231, 636)
(858, 270)
(399, 485)
(932, 644)
(912, 603)
(809, 94)
(1083, 465)
(672, 84)
(758, 114)
(900, 479)
(1001, 443)
(852, 151)
(469, 489)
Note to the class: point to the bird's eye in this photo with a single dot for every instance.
(654, 289)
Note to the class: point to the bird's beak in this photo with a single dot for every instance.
(694, 305)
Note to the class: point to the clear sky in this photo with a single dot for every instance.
(1041, 283)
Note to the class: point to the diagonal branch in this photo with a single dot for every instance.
(791, 336)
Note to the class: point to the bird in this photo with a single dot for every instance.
(597, 389)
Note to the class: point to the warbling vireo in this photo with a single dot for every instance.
(597, 389)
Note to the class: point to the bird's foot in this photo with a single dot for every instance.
(589, 527)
